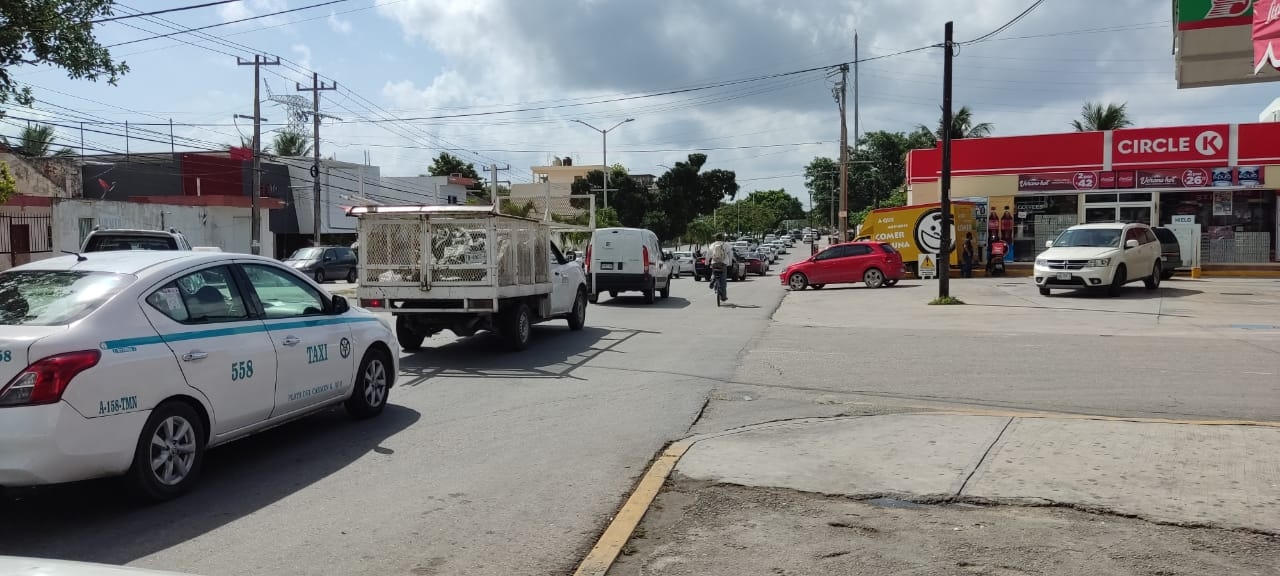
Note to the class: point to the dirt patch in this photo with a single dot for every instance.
(697, 528)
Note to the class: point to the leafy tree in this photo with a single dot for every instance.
(8, 186)
(686, 192)
(627, 198)
(781, 205)
(245, 142)
(36, 142)
(447, 164)
(962, 126)
(701, 231)
(896, 198)
(822, 178)
(1095, 116)
(290, 144)
(57, 32)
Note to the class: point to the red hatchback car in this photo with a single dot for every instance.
(875, 263)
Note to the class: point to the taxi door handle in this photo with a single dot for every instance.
(194, 355)
(291, 341)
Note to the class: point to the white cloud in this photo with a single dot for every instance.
(250, 8)
(339, 25)
(501, 54)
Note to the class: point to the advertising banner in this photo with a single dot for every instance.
(1059, 181)
(1266, 35)
(1202, 14)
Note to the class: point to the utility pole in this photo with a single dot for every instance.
(316, 87)
(494, 183)
(255, 219)
(857, 133)
(841, 94)
(604, 152)
(944, 253)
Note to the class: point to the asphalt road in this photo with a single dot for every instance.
(486, 462)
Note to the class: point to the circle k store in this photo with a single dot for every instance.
(1214, 186)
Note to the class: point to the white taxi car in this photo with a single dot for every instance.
(136, 362)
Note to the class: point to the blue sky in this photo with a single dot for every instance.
(400, 60)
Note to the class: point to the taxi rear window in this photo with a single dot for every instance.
(55, 297)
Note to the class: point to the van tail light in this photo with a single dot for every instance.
(587, 266)
(644, 257)
(44, 381)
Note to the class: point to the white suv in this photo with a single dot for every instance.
(1100, 256)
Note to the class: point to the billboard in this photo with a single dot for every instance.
(1213, 44)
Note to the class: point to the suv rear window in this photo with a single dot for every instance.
(108, 242)
(55, 297)
(1165, 235)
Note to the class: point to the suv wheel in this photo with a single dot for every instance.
(1153, 282)
(1117, 281)
(319, 276)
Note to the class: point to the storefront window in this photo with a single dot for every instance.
(1032, 221)
(1236, 226)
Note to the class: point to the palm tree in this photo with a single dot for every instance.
(36, 142)
(245, 142)
(962, 126)
(1095, 116)
(290, 144)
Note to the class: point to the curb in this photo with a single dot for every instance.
(601, 556)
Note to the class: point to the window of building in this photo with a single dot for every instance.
(1036, 220)
(1236, 226)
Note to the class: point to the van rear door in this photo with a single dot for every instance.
(617, 251)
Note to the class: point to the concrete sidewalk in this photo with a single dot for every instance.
(1185, 474)
(960, 493)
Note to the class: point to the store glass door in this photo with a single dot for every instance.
(1099, 214)
(1140, 214)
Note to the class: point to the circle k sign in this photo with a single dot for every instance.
(1168, 145)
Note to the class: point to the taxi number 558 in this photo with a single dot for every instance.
(242, 370)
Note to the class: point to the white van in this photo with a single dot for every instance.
(627, 260)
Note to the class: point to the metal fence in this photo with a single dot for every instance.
(25, 234)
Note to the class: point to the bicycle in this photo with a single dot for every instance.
(718, 280)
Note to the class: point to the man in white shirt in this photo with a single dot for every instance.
(718, 259)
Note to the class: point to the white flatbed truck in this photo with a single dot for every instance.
(466, 269)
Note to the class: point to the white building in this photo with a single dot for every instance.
(222, 221)
(1272, 113)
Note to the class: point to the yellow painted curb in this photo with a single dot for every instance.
(601, 557)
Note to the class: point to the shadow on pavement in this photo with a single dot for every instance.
(1129, 293)
(553, 352)
(94, 521)
(637, 301)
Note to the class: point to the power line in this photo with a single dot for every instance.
(1006, 25)
(165, 11)
(189, 30)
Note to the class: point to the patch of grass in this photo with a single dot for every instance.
(628, 550)
(945, 301)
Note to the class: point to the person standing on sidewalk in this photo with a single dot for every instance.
(967, 254)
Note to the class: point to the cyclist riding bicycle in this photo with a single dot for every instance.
(718, 259)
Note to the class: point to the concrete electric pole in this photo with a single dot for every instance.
(316, 87)
(841, 94)
(493, 185)
(944, 252)
(255, 219)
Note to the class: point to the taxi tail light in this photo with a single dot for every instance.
(44, 381)
(587, 267)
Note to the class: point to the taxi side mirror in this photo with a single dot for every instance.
(340, 305)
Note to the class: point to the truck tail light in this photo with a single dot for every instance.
(45, 380)
(644, 256)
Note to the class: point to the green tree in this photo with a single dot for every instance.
(701, 231)
(245, 142)
(36, 141)
(896, 198)
(290, 145)
(627, 198)
(1095, 116)
(447, 164)
(822, 178)
(962, 126)
(686, 191)
(781, 205)
(8, 186)
(880, 164)
(56, 32)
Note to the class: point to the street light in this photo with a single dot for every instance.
(604, 152)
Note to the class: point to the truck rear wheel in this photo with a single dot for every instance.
(578, 318)
(410, 341)
(517, 326)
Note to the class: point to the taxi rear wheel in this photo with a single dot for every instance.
(169, 454)
(373, 383)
